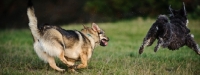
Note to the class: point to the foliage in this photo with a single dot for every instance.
(195, 14)
(59, 12)
(133, 8)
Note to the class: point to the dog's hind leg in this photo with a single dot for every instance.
(159, 43)
(192, 44)
(51, 61)
(53, 64)
(150, 37)
(44, 56)
(148, 41)
(145, 43)
(64, 60)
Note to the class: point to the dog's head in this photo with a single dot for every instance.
(96, 33)
(178, 14)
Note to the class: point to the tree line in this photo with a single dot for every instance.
(13, 12)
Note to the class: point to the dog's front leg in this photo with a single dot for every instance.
(64, 60)
(84, 60)
(192, 44)
(167, 35)
(83, 64)
(71, 68)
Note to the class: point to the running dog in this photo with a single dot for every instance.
(68, 45)
(171, 33)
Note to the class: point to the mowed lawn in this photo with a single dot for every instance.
(120, 57)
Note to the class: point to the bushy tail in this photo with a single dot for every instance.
(32, 20)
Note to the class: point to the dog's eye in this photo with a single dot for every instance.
(100, 32)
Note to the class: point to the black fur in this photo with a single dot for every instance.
(30, 4)
(171, 33)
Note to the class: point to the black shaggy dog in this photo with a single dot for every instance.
(171, 33)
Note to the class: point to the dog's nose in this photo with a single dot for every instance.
(107, 39)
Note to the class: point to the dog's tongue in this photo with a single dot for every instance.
(105, 42)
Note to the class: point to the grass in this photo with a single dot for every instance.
(120, 57)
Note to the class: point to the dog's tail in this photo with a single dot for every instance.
(32, 20)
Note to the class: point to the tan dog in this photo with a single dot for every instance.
(68, 45)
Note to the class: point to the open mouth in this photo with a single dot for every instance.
(104, 42)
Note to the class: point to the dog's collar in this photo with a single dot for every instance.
(89, 35)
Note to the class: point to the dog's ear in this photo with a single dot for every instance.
(183, 10)
(84, 26)
(171, 10)
(95, 27)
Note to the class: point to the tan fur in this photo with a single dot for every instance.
(52, 41)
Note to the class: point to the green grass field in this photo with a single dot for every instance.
(120, 57)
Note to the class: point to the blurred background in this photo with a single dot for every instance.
(60, 12)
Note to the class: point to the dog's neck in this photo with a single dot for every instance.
(90, 38)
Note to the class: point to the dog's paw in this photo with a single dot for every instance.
(61, 70)
(141, 50)
(156, 49)
(73, 67)
(73, 71)
(70, 64)
(198, 52)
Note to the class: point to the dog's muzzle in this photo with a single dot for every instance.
(104, 41)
